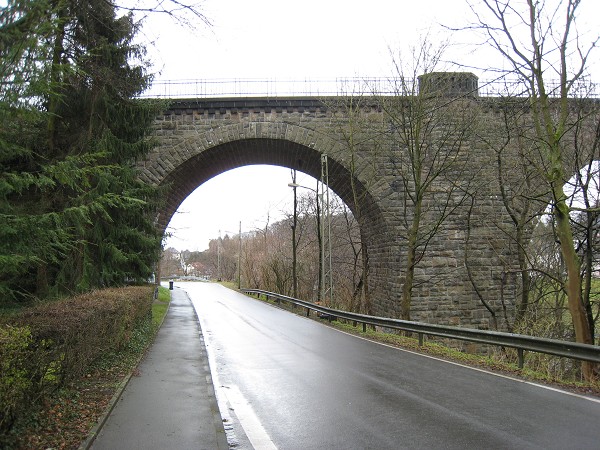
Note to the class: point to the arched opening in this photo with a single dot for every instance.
(182, 180)
(253, 194)
(235, 254)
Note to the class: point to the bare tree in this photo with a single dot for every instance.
(516, 177)
(349, 254)
(309, 247)
(267, 254)
(539, 40)
(427, 130)
(186, 13)
(251, 254)
(170, 262)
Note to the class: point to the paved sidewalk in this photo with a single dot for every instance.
(171, 403)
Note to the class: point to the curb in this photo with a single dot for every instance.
(85, 445)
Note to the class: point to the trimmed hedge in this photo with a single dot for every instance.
(15, 378)
(46, 346)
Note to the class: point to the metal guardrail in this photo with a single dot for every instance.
(520, 342)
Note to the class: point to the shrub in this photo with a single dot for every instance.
(48, 345)
(15, 383)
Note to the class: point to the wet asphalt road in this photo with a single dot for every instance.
(287, 382)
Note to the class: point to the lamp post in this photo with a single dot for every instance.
(319, 236)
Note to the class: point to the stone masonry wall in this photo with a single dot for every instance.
(200, 139)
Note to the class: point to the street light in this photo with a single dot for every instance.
(294, 244)
(320, 291)
(326, 269)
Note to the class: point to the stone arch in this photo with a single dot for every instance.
(183, 163)
(195, 158)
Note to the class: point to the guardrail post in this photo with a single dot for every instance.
(307, 312)
(364, 327)
(420, 339)
(521, 356)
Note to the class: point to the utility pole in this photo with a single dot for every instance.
(318, 200)
(320, 243)
(327, 267)
(294, 245)
(240, 259)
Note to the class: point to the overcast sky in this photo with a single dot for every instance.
(279, 40)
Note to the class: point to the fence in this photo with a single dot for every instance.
(254, 87)
(348, 86)
(520, 342)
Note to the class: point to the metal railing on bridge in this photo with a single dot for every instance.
(255, 87)
(348, 86)
(519, 342)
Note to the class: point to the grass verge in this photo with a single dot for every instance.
(64, 420)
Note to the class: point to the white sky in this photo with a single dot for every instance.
(278, 39)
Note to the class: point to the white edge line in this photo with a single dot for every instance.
(231, 397)
(258, 436)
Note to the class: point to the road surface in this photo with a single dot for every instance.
(287, 382)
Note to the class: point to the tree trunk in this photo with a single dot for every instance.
(56, 77)
(367, 307)
(573, 283)
(410, 263)
(525, 276)
(589, 268)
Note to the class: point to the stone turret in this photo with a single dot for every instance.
(449, 84)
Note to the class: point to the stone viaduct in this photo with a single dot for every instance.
(469, 260)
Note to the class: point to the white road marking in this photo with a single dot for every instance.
(230, 398)
(257, 435)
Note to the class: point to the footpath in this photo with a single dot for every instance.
(170, 401)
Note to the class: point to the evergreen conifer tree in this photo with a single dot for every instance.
(73, 215)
